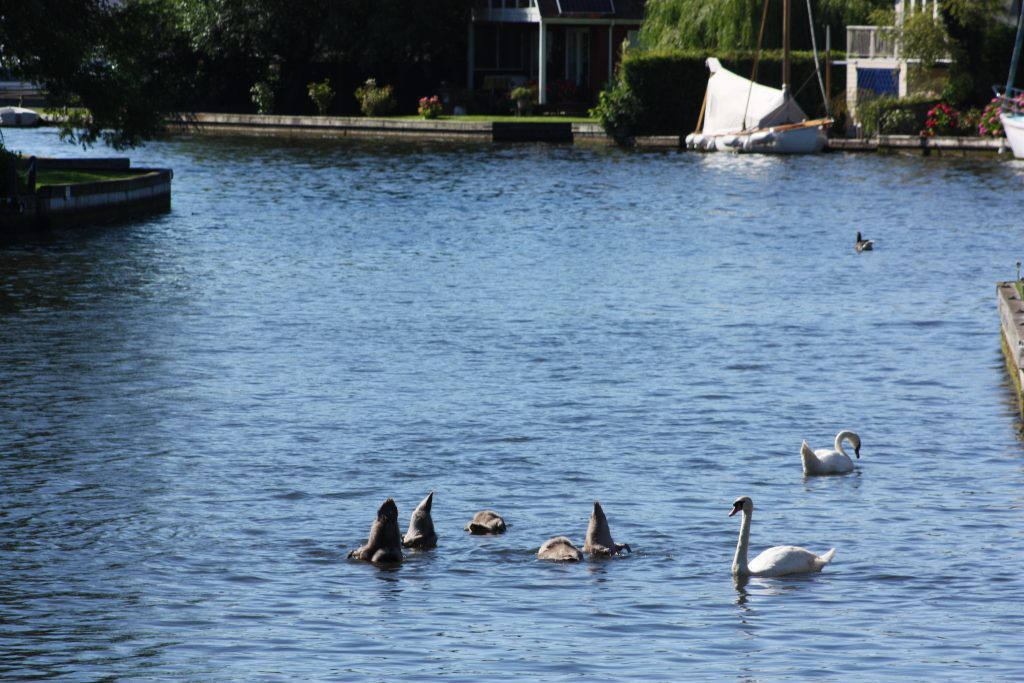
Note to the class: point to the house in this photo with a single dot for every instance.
(568, 47)
(875, 63)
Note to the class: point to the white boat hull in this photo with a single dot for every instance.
(1013, 126)
(18, 116)
(776, 140)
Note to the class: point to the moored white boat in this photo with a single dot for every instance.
(743, 116)
(1013, 127)
(1011, 100)
(18, 116)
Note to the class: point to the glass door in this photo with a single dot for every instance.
(577, 56)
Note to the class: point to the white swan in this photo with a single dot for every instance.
(830, 461)
(777, 561)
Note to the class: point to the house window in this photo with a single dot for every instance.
(510, 48)
(577, 55)
(486, 47)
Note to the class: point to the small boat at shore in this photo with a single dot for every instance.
(18, 117)
(741, 115)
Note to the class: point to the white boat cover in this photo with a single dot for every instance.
(18, 116)
(727, 103)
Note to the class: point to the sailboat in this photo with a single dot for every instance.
(740, 115)
(1011, 100)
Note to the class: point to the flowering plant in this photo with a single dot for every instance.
(989, 124)
(942, 120)
(430, 107)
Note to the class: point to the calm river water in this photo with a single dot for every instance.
(201, 412)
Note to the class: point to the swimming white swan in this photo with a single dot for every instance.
(777, 561)
(863, 244)
(830, 461)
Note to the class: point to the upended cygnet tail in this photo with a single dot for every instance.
(599, 535)
(385, 542)
(421, 532)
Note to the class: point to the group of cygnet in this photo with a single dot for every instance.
(386, 542)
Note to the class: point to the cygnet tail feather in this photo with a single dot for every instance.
(826, 558)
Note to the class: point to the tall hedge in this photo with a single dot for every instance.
(670, 85)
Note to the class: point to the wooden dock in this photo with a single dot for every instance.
(1011, 320)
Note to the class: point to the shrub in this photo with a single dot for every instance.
(322, 94)
(430, 107)
(876, 115)
(619, 112)
(898, 122)
(942, 120)
(969, 121)
(375, 100)
(262, 93)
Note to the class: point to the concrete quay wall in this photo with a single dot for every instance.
(104, 200)
(78, 203)
(1011, 323)
(522, 131)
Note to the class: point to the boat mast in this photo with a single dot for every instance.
(1016, 56)
(785, 46)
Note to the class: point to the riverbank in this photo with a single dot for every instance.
(532, 129)
(78, 191)
(1011, 323)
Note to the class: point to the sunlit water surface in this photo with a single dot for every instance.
(200, 413)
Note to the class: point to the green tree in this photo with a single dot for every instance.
(239, 42)
(116, 68)
(981, 38)
(735, 24)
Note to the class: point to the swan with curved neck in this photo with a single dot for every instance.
(777, 561)
(830, 461)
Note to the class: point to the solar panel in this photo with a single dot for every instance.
(586, 7)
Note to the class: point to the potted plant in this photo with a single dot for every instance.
(321, 93)
(524, 96)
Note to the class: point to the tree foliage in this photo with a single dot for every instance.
(115, 68)
(981, 44)
(240, 42)
(735, 24)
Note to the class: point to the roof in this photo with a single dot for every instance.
(596, 9)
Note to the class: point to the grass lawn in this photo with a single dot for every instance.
(61, 177)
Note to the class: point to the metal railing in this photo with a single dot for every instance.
(872, 42)
(513, 11)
